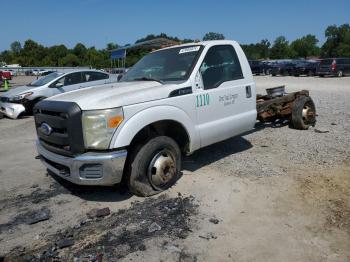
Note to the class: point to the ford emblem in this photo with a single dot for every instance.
(45, 129)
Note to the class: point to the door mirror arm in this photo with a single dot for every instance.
(198, 81)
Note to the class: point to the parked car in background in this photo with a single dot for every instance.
(12, 72)
(334, 67)
(256, 66)
(305, 67)
(267, 66)
(22, 99)
(46, 72)
(6, 75)
(282, 68)
(36, 72)
(28, 72)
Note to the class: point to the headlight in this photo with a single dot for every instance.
(20, 97)
(99, 126)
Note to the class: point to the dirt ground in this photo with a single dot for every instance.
(273, 194)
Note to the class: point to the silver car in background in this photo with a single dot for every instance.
(22, 99)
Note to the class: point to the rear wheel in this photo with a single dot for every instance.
(310, 73)
(303, 113)
(154, 166)
(340, 73)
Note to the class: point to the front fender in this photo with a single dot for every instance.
(125, 133)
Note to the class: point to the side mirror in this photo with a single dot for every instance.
(59, 84)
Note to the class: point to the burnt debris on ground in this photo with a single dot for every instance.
(60, 186)
(29, 218)
(116, 235)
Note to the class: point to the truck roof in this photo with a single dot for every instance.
(203, 43)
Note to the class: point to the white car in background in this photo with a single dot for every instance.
(22, 99)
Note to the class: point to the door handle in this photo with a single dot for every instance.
(248, 91)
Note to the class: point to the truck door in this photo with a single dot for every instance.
(223, 97)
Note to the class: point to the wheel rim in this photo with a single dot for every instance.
(308, 114)
(340, 74)
(162, 169)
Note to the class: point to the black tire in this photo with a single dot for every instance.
(303, 113)
(321, 75)
(340, 73)
(310, 73)
(143, 177)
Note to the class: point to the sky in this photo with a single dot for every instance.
(98, 22)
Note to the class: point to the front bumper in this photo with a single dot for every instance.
(11, 110)
(90, 168)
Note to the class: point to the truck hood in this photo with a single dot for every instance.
(116, 94)
(19, 90)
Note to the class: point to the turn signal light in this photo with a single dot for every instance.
(114, 122)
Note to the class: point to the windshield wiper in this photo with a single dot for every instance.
(148, 79)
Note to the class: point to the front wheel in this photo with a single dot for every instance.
(154, 166)
(340, 73)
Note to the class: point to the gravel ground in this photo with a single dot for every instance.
(273, 194)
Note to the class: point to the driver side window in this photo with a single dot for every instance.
(60, 81)
(67, 80)
(72, 79)
(220, 65)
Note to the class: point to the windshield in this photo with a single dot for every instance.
(46, 79)
(172, 64)
(326, 61)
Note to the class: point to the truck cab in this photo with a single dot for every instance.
(172, 102)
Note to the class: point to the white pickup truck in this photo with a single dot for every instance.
(174, 100)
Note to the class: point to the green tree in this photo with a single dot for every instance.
(161, 35)
(338, 41)
(187, 40)
(69, 60)
(257, 51)
(94, 58)
(263, 48)
(16, 47)
(32, 53)
(213, 36)
(305, 46)
(55, 53)
(280, 48)
(80, 51)
(7, 57)
(251, 51)
(111, 46)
